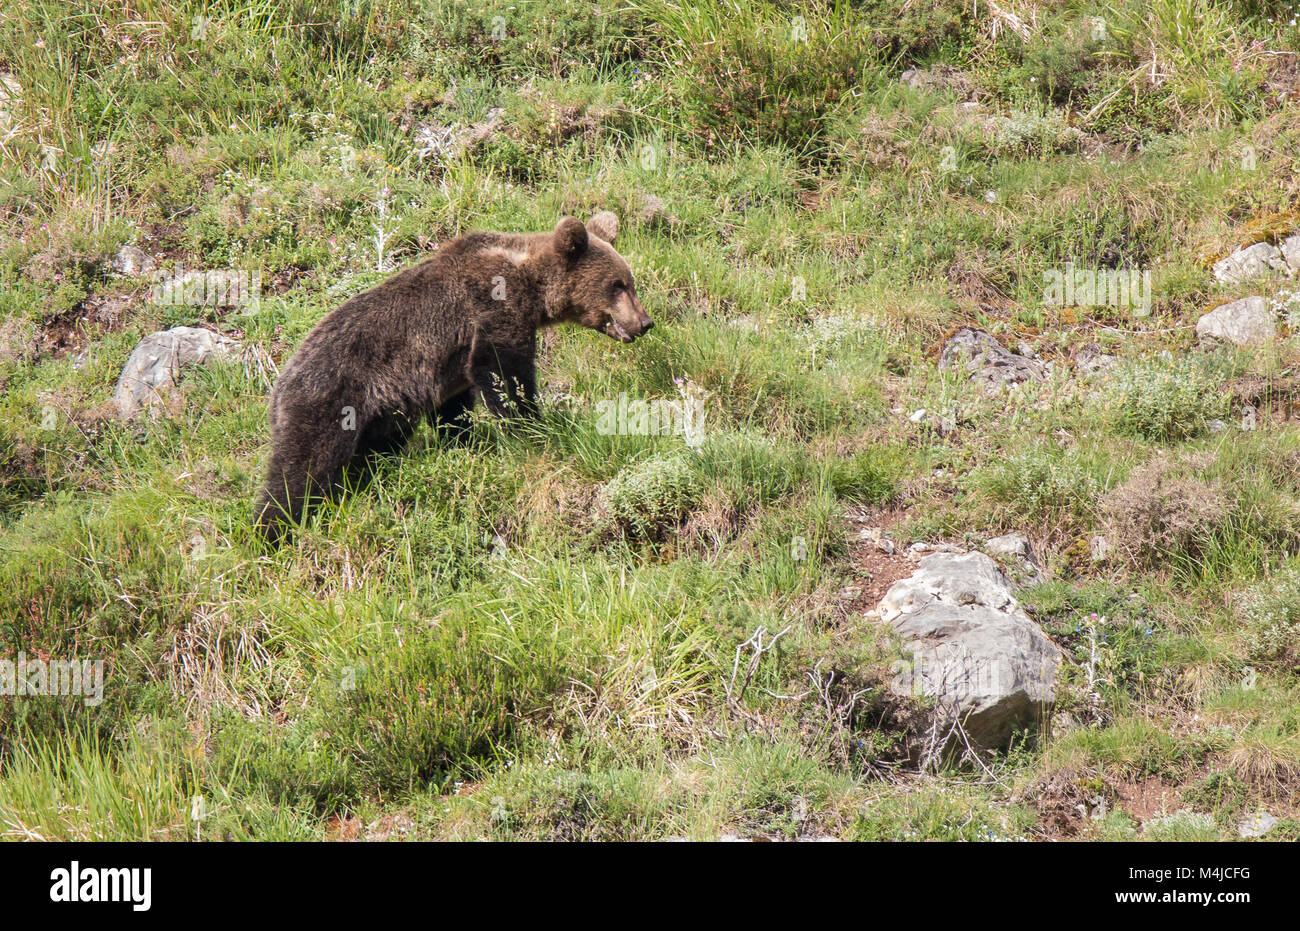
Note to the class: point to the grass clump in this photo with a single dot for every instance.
(1159, 400)
(650, 497)
(1042, 486)
(764, 71)
(1270, 611)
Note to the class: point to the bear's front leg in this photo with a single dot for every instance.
(505, 377)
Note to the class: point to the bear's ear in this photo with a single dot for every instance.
(570, 238)
(604, 225)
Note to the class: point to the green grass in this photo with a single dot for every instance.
(546, 631)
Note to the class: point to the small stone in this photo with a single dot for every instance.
(917, 416)
(1090, 360)
(989, 364)
(133, 262)
(1245, 322)
(1098, 549)
(1250, 262)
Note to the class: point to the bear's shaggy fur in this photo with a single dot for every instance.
(430, 341)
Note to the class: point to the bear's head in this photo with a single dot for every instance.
(598, 290)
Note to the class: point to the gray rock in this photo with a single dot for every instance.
(1015, 548)
(1257, 825)
(1099, 549)
(876, 536)
(1013, 545)
(1245, 322)
(151, 371)
(133, 262)
(1090, 360)
(975, 649)
(1290, 249)
(988, 362)
(1248, 263)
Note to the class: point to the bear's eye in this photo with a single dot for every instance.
(620, 286)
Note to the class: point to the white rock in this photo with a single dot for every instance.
(1245, 322)
(154, 365)
(976, 651)
(1290, 249)
(1250, 262)
(1014, 545)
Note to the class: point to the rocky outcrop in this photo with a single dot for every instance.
(976, 653)
(1247, 322)
(152, 370)
(987, 361)
(1255, 260)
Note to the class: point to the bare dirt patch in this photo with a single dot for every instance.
(72, 329)
(1148, 798)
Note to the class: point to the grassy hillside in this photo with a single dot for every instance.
(558, 632)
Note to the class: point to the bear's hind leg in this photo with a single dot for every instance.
(303, 470)
(384, 437)
(452, 418)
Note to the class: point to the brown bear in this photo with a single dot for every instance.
(430, 341)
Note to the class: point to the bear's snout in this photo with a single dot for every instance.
(627, 320)
(625, 332)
